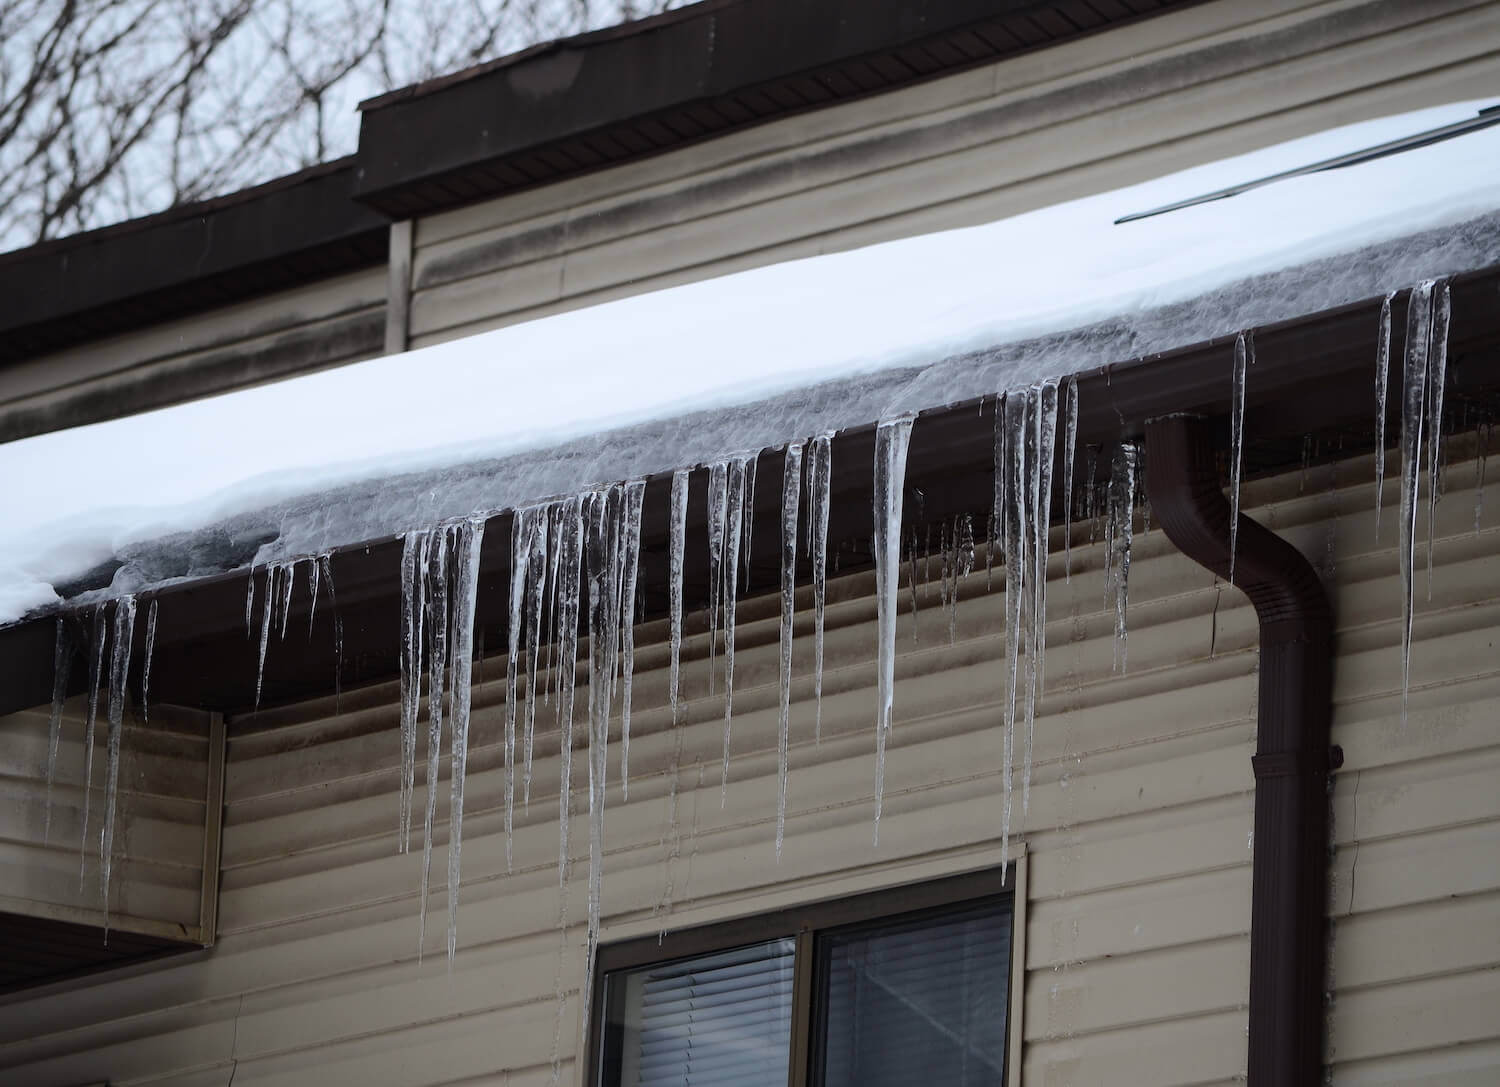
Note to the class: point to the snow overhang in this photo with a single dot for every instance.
(963, 325)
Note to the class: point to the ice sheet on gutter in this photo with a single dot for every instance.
(681, 376)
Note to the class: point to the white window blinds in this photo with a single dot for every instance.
(722, 1020)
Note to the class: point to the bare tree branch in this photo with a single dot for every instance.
(111, 109)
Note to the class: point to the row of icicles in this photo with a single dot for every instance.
(577, 558)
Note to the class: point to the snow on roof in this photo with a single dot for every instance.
(687, 374)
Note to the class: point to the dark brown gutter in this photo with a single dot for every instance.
(1290, 876)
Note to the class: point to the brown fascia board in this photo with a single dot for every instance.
(599, 99)
(281, 234)
(1313, 375)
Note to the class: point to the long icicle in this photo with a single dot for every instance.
(1244, 354)
(1382, 383)
(1070, 449)
(411, 682)
(603, 512)
(1413, 400)
(62, 670)
(892, 440)
(820, 480)
(718, 509)
(570, 546)
(1437, 377)
(266, 610)
(733, 532)
(151, 614)
(325, 563)
(313, 568)
(538, 564)
(1122, 515)
(522, 528)
(1045, 413)
(677, 549)
(1013, 468)
(96, 671)
(119, 673)
(436, 593)
(469, 536)
(630, 537)
(791, 493)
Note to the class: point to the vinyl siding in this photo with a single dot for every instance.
(157, 875)
(1137, 839)
(325, 324)
(1106, 111)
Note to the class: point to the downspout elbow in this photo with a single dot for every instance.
(1288, 941)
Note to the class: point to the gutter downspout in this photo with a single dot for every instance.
(1288, 928)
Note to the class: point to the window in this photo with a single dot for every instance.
(894, 988)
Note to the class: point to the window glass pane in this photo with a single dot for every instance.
(721, 1020)
(919, 1001)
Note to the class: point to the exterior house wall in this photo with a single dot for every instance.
(1102, 112)
(1137, 838)
(325, 324)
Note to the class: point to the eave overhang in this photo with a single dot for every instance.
(1313, 377)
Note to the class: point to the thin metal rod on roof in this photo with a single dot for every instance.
(1484, 119)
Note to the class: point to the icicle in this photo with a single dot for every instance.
(1244, 355)
(603, 511)
(718, 510)
(325, 563)
(1382, 381)
(146, 664)
(62, 669)
(1437, 377)
(249, 602)
(1013, 463)
(997, 507)
(892, 440)
(570, 546)
(1070, 448)
(791, 494)
(469, 537)
(540, 559)
(749, 521)
(313, 567)
(119, 672)
(677, 549)
(411, 681)
(96, 671)
(630, 542)
(1091, 492)
(265, 628)
(290, 572)
(1042, 413)
(819, 483)
(437, 605)
(1413, 400)
(522, 527)
(1122, 506)
(554, 532)
(733, 533)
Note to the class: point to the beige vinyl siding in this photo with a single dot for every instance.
(1105, 111)
(320, 325)
(1138, 839)
(157, 874)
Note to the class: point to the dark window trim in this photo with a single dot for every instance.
(804, 923)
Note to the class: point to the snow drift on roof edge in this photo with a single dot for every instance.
(829, 305)
(381, 508)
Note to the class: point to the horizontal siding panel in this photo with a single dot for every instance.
(1188, 1052)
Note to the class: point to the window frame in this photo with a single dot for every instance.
(803, 923)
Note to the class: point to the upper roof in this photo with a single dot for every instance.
(542, 115)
